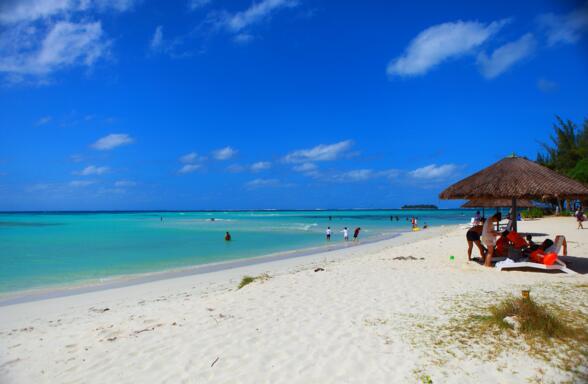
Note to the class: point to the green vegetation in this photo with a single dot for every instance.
(555, 335)
(568, 153)
(533, 213)
(420, 206)
(534, 319)
(250, 279)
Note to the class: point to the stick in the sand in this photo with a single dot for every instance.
(214, 362)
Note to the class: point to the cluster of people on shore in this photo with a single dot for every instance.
(345, 233)
(491, 242)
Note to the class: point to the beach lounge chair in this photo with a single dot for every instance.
(559, 265)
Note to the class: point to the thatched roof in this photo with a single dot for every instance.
(516, 177)
(500, 203)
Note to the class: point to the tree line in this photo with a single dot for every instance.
(568, 151)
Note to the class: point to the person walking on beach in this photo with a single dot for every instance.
(227, 236)
(328, 233)
(345, 234)
(580, 217)
(356, 233)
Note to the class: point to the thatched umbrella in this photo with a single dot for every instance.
(515, 178)
(499, 203)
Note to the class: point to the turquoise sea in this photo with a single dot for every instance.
(40, 250)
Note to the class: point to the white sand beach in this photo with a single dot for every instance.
(386, 312)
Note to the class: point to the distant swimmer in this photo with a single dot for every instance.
(160, 218)
(212, 219)
(328, 233)
(330, 218)
(228, 237)
(345, 234)
(356, 233)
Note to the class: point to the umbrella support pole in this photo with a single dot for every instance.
(513, 216)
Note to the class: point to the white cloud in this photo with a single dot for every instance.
(65, 45)
(157, 39)
(235, 168)
(81, 183)
(260, 166)
(43, 120)
(243, 38)
(224, 153)
(565, 29)
(112, 141)
(23, 10)
(259, 183)
(189, 168)
(441, 42)
(124, 183)
(76, 158)
(197, 4)
(434, 171)
(191, 157)
(40, 37)
(547, 86)
(17, 11)
(92, 170)
(305, 167)
(322, 152)
(356, 175)
(257, 12)
(505, 56)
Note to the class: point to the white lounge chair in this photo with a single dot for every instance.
(558, 266)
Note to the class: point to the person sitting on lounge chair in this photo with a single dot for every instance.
(502, 245)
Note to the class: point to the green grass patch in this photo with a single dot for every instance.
(246, 280)
(534, 319)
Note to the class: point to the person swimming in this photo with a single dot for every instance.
(227, 236)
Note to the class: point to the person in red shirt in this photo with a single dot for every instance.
(228, 237)
(356, 233)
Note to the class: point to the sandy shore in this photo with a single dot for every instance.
(368, 317)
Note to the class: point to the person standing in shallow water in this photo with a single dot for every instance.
(328, 233)
(227, 236)
(356, 233)
(345, 234)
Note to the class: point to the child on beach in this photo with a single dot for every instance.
(328, 233)
(345, 234)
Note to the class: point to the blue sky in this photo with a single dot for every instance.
(212, 104)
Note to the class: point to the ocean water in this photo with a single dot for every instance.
(40, 250)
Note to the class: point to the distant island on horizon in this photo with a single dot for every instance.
(419, 206)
